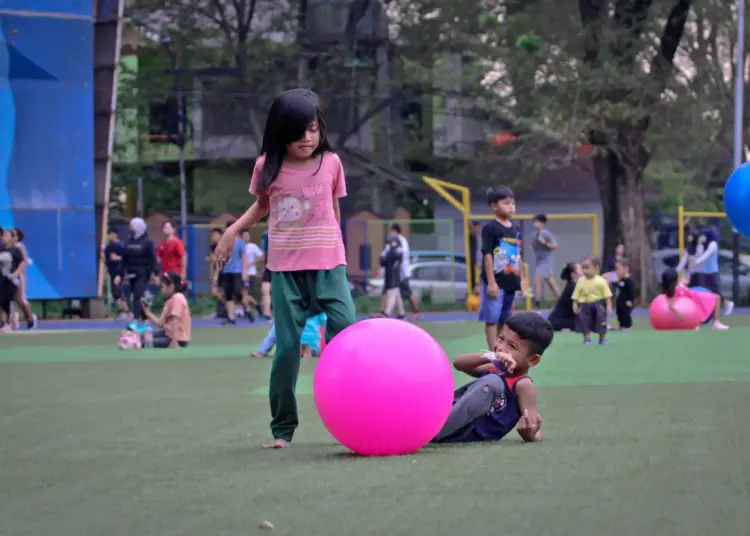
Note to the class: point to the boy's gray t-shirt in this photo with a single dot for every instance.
(542, 252)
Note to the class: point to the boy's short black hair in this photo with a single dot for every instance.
(112, 230)
(19, 234)
(396, 227)
(532, 328)
(596, 262)
(624, 262)
(541, 218)
(498, 194)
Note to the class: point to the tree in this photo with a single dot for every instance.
(249, 50)
(590, 71)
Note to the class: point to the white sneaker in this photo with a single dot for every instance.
(719, 326)
(728, 307)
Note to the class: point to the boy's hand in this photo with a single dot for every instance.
(629, 304)
(506, 361)
(576, 308)
(529, 427)
(493, 290)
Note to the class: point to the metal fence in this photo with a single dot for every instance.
(438, 251)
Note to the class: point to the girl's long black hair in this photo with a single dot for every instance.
(288, 119)
(669, 280)
(567, 272)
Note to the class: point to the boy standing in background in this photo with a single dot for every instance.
(543, 246)
(502, 273)
(113, 253)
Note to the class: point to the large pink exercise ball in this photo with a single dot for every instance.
(383, 387)
(663, 319)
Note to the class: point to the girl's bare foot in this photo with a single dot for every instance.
(257, 354)
(277, 444)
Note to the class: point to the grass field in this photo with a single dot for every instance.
(646, 436)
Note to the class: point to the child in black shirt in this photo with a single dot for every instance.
(502, 267)
(562, 316)
(625, 295)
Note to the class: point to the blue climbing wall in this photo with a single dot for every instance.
(47, 141)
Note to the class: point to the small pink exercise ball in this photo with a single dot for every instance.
(663, 319)
(383, 387)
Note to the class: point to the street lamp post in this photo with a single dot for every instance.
(181, 137)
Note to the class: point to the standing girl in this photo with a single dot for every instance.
(298, 181)
(21, 301)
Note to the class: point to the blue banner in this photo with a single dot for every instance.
(47, 142)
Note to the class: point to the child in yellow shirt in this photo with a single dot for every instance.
(592, 302)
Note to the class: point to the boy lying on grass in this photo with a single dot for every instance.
(503, 396)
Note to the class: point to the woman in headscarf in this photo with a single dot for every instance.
(139, 262)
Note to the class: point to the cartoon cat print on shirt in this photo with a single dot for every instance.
(291, 212)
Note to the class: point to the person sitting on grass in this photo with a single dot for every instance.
(562, 316)
(174, 322)
(503, 396)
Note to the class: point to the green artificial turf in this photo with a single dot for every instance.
(645, 436)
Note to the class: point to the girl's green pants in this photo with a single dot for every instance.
(291, 295)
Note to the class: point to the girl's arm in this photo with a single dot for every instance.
(683, 262)
(21, 266)
(245, 267)
(155, 320)
(337, 209)
(253, 215)
(712, 248)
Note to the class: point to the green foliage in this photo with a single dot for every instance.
(529, 42)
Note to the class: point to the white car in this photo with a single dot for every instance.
(443, 281)
(670, 258)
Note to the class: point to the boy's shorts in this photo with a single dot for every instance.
(495, 310)
(592, 318)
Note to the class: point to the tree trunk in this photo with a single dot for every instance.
(624, 211)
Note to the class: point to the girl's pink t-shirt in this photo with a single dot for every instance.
(303, 233)
(681, 291)
(176, 318)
